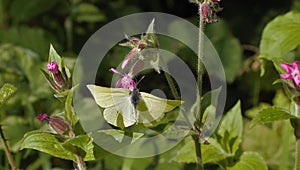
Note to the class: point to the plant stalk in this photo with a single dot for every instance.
(199, 94)
(297, 151)
(297, 155)
(7, 152)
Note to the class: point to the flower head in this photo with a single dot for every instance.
(292, 72)
(125, 82)
(52, 67)
(208, 10)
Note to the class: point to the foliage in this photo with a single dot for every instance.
(27, 28)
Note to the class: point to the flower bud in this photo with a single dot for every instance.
(59, 78)
(56, 123)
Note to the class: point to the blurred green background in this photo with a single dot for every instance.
(28, 27)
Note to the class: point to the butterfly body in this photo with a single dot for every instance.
(133, 106)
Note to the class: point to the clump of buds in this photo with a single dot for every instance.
(208, 10)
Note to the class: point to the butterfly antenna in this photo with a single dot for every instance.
(140, 80)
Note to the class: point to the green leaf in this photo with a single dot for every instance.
(271, 114)
(6, 91)
(250, 161)
(55, 146)
(83, 142)
(280, 36)
(69, 113)
(279, 154)
(210, 153)
(118, 135)
(48, 143)
(231, 129)
(53, 56)
(86, 12)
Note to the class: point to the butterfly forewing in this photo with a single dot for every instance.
(107, 97)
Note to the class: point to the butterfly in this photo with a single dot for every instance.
(123, 108)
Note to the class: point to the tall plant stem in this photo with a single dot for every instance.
(7, 152)
(296, 132)
(199, 94)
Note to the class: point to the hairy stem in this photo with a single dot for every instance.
(7, 152)
(199, 94)
(297, 152)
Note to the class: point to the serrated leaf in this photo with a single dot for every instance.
(231, 129)
(250, 161)
(6, 91)
(280, 36)
(210, 153)
(270, 115)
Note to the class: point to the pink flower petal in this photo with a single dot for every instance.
(115, 71)
(136, 68)
(42, 117)
(52, 67)
(287, 67)
(129, 57)
(286, 76)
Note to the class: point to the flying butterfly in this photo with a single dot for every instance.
(124, 108)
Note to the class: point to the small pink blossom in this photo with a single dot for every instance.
(42, 117)
(292, 72)
(126, 80)
(53, 67)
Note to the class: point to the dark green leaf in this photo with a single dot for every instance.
(6, 91)
(271, 114)
(280, 36)
(250, 161)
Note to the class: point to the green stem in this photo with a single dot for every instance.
(297, 155)
(297, 152)
(199, 79)
(170, 81)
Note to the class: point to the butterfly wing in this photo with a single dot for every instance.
(156, 106)
(116, 103)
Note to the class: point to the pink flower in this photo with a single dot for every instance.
(292, 72)
(53, 67)
(126, 80)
